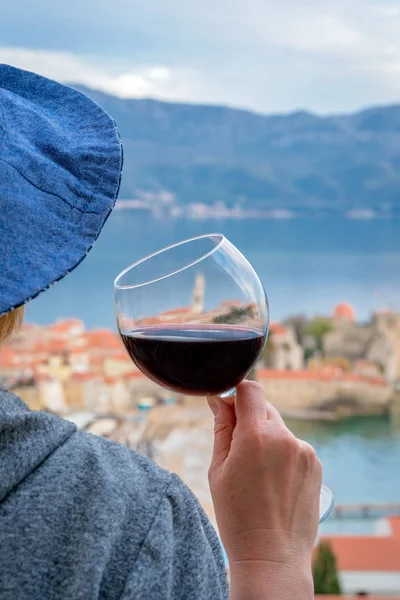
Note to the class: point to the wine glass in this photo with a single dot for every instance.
(194, 318)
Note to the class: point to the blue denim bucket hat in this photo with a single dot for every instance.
(60, 171)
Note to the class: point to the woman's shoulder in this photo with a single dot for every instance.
(177, 552)
(121, 471)
(132, 524)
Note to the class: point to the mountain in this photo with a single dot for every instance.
(186, 154)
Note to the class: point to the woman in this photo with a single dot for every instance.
(85, 518)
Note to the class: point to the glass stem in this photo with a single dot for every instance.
(227, 394)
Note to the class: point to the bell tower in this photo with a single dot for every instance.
(198, 294)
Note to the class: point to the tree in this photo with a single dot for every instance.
(317, 329)
(235, 315)
(269, 351)
(326, 579)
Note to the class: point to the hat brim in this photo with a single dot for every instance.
(60, 172)
(54, 243)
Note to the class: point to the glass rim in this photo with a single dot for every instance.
(221, 237)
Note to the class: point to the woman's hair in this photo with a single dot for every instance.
(10, 323)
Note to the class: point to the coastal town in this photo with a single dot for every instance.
(327, 368)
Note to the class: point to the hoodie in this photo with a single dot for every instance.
(82, 517)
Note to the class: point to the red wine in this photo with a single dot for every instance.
(195, 360)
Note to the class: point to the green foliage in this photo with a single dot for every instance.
(326, 580)
(308, 353)
(317, 329)
(178, 148)
(235, 315)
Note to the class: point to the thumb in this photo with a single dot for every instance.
(224, 425)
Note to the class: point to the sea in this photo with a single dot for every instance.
(307, 266)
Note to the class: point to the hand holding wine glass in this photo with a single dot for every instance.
(194, 318)
(265, 487)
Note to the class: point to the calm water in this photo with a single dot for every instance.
(361, 460)
(307, 266)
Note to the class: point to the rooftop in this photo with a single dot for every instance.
(176, 311)
(344, 311)
(65, 326)
(8, 358)
(394, 523)
(277, 329)
(366, 553)
(318, 375)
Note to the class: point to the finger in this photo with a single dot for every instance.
(224, 425)
(273, 414)
(306, 446)
(251, 404)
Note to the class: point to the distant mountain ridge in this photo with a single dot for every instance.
(183, 154)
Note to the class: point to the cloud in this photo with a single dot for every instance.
(155, 81)
(65, 66)
(268, 55)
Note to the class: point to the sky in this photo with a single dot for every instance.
(265, 55)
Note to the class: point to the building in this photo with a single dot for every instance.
(63, 368)
(325, 597)
(387, 323)
(369, 564)
(344, 313)
(326, 390)
(286, 354)
(198, 294)
(377, 342)
(368, 368)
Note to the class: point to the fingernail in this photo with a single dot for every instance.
(213, 405)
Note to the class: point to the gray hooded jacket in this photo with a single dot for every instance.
(82, 517)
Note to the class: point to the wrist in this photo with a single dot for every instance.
(266, 580)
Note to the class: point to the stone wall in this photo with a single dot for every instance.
(360, 397)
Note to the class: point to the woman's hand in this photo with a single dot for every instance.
(265, 485)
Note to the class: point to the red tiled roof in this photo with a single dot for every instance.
(77, 351)
(332, 370)
(123, 356)
(176, 311)
(111, 380)
(294, 375)
(344, 311)
(64, 326)
(55, 346)
(83, 376)
(149, 321)
(365, 553)
(277, 329)
(363, 378)
(395, 526)
(132, 375)
(317, 375)
(8, 358)
(102, 338)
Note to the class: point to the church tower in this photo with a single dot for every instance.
(198, 294)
